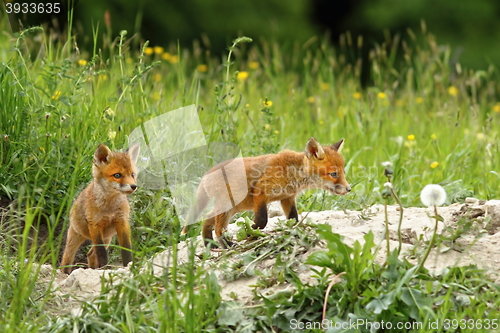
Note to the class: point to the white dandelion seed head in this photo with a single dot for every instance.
(433, 195)
(387, 164)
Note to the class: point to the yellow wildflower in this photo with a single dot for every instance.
(174, 59)
(253, 65)
(453, 91)
(267, 127)
(310, 99)
(82, 62)
(202, 68)
(242, 75)
(276, 132)
(148, 50)
(157, 77)
(433, 136)
(419, 100)
(381, 95)
(56, 95)
(158, 50)
(156, 96)
(166, 56)
(496, 108)
(411, 137)
(434, 164)
(357, 95)
(267, 103)
(325, 86)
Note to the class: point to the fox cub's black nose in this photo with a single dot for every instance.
(133, 187)
(348, 189)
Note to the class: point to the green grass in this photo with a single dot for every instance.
(57, 103)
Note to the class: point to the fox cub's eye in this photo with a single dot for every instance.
(117, 175)
(334, 175)
(133, 175)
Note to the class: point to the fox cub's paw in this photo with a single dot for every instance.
(256, 226)
(227, 243)
(222, 242)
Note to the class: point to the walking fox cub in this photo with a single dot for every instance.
(102, 209)
(269, 178)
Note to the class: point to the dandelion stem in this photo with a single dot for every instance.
(431, 242)
(400, 238)
(387, 229)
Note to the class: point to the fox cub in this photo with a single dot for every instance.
(269, 178)
(102, 209)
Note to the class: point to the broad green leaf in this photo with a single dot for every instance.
(405, 279)
(381, 303)
(230, 313)
(319, 258)
(416, 300)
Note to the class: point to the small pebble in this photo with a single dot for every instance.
(471, 200)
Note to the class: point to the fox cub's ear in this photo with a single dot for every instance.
(338, 146)
(313, 148)
(133, 152)
(102, 155)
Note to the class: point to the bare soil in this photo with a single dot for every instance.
(474, 228)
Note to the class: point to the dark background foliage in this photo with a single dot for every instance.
(472, 28)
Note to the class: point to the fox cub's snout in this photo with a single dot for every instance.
(102, 209)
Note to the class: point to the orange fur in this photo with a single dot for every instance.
(102, 209)
(273, 177)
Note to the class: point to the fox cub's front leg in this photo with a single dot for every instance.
(101, 237)
(290, 208)
(260, 211)
(98, 255)
(123, 233)
(260, 220)
(73, 242)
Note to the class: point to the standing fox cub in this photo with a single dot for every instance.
(269, 178)
(102, 209)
